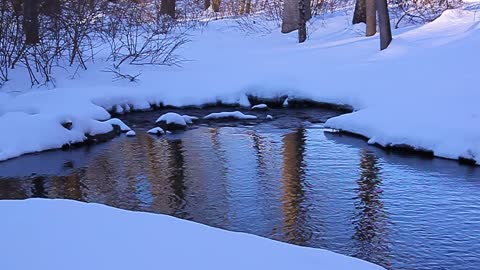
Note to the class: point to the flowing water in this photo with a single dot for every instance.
(285, 179)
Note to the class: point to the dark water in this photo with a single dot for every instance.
(286, 180)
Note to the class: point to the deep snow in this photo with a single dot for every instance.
(421, 91)
(60, 234)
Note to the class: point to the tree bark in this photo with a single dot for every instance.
(167, 7)
(291, 15)
(371, 18)
(242, 6)
(206, 4)
(30, 21)
(302, 24)
(384, 23)
(360, 13)
(248, 6)
(216, 5)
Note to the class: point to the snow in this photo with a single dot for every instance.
(234, 115)
(120, 123)
(172, 118)
(421, 91)
(189, 119)
(260, 107)
(131, 133)
(156, 130)
(68, 234)
(269, 117)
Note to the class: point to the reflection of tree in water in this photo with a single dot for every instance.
(293, 192)
(38, 187)
(370, 221)
(177, 177)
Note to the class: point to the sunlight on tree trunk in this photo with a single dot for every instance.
(371, 18)
(242, 6)
(216, 5)
(248, 6)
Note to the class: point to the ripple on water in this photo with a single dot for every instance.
(279, 180)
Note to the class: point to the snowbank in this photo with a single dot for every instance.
(58, 234)
(421, 91)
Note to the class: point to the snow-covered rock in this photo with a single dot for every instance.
(156, 131)
(236, 115)
(269, 117)
(119, 123)
(124, 240)
(189, 119)
(172, 121)
(260, 107)
(131, 133)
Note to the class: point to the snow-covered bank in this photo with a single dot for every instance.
(59, 234)
(422, 91)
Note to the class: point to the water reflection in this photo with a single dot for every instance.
(295, 185)
(370, 220)
(293, 192)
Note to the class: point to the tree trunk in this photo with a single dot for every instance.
(167, 7)
(302, 23)
(371, 18)
(30, 21)
(248, 6)
(384, 23)
(242, 6)
(216, 5)
(360, 13)
(206, 4)
(291, 15)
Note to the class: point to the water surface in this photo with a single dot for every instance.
(287, 180)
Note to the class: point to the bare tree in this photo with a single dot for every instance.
(384, 22)
(360, 12)
(302, 21)
(216, 5)
(167, 7)
(371, 18)
(248, 6)
(30, 21)
(242, 7)
(291, 15)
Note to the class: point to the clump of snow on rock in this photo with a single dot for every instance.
(230, 115)
(189, 119)
(156, 130)
(131, 133)
(269, 117)
(120, 123)
(260, 107)
(172, 118)
(172, 121)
